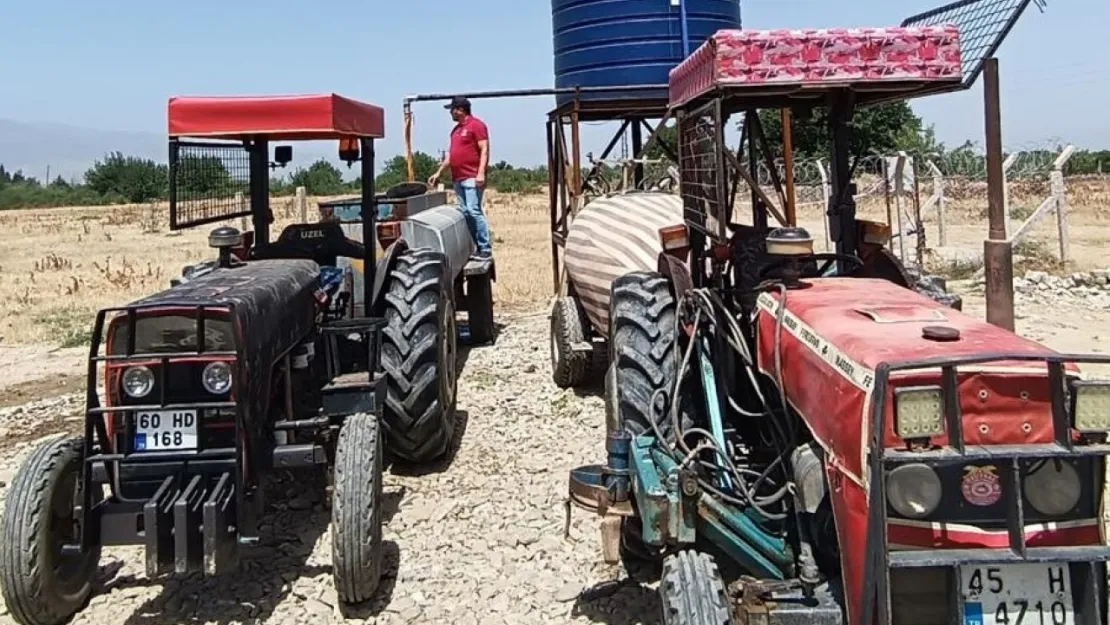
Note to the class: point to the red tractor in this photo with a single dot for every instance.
(799, 437)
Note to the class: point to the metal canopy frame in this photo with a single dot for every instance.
(568, 188)
(257, 147)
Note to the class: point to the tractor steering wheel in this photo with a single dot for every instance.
(828, 257)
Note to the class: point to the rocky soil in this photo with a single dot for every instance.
(478, 539)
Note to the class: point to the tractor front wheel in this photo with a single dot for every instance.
(356, 544)
(419, 346)
(692, 591)
(644, 355)
(41, 584)
(569, 368)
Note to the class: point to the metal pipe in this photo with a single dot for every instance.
(685, 28)
(576, 159)
(553, 200)
(523, 93)
(997, 251)
(788, 166)
(408, 142)
(369, 214)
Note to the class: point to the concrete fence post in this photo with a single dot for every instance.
(302, 204)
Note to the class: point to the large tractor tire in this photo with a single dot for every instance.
(356, 544)
(40, 585)
(692, 591)
(644, 354)
(419, 347)
(568, 367)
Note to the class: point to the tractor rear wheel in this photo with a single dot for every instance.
(644, 353)
(693, 592)
(419, 346)
(42, 585)
(569, 368)
(356, 544)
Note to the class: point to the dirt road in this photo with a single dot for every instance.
(478, 539)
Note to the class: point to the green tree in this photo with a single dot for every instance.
(321, 178)
(880, 129)
(396, 171)
(207, 176)
(667, 136)
(130, 178)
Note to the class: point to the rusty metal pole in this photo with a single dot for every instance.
(998, 259)
(788, 166)
(408, 143)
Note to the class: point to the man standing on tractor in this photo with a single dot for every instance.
(468, 158)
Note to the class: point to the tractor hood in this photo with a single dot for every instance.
(273, 302)
(837, 331)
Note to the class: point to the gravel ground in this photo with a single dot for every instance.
(478, 539)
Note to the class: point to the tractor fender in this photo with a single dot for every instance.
(441, 229)
(382, 268)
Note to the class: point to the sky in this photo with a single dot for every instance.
(112, 64)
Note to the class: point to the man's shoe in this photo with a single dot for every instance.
(483, 256)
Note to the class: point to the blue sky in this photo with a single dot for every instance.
(113, 64)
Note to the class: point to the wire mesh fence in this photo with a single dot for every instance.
(983, 24)
(209, 182)
(701, 170)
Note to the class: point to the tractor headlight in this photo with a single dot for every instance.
(138, 381)
(913, 490)
(919, 412)
(217, 378)
(1053, 488)
(1091, 406)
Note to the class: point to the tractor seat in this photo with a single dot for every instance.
(321, 242)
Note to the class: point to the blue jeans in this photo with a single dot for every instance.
(470, 203)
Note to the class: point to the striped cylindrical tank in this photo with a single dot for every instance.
(612, 236)
(606, 43)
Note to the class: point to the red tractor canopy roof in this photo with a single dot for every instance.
(296, 117)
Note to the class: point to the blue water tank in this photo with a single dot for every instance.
(606, 43)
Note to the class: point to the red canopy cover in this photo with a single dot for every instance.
(297, 117)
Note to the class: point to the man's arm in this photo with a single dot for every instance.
(483, 153)
(442, 166)
(483, 160)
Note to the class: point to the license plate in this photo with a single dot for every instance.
(166, 430)
(1017, 594)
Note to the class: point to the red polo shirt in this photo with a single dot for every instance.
(465, 155)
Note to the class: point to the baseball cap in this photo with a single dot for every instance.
(458, 102)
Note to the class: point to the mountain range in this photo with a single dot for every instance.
(69, 150)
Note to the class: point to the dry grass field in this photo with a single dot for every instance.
(58, 266)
